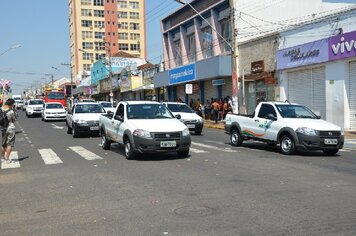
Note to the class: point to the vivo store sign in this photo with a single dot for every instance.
(329, 49)
(182, 74)
(342, 46)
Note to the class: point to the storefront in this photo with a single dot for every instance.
(322, 76)
(199, 76)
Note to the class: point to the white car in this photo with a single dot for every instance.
(34, 107)
(84, 118)
(108, 106)
(53, 111)
(188, 116)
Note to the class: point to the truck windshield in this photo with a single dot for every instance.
(295, 111)
(89, 108)
(55, 95)
(180, 108)
(36, 102)
(148, 111)
(106, 104)
(54, 106)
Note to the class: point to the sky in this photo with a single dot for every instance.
(41, 28)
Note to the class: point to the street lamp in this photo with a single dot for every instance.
(234, 48)
(12, 47)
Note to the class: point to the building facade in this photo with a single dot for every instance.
(100, 28)
(316, 66)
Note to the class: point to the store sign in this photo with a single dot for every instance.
(217, 82)
(181, 74)
(342, 46)
(257, 67)
(301, 55)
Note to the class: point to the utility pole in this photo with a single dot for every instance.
(234, 58)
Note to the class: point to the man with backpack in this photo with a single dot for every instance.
(8, 129)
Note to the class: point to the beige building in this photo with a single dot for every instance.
(100, 28)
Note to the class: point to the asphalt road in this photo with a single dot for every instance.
(66, 186)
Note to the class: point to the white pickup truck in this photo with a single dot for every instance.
(292, 126)
(84, 118)
(144, 127)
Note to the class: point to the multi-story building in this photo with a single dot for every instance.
(101, 28)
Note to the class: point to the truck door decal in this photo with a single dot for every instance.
(250, 133)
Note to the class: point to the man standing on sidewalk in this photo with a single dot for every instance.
(8, 131)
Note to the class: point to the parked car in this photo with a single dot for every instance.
(34, 107)
(53, 111)
(108, 106)
(290, 125)
(188, 116)
(84, 118)
(144, 127)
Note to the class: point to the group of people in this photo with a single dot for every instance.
(8, 130)
(214, 109)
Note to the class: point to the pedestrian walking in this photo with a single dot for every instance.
(8, 130)
(215, 107)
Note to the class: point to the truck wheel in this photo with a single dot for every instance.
(287, 144)
(74, 132)
(330, 152)
(69, 130)
(129, 153)
(235, 138)
(105, 143)
(184, 153)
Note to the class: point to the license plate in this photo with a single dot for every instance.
(191, 125)
(168, 144)
(94, 128)
(330, 141)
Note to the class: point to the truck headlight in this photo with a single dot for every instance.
(142, 133)
(342, 132)
(81, 122)
(186, 132)
(200, 121)
(306, 131)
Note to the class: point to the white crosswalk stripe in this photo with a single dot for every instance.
(49, 156)
(212, 147)
(86, 154)
(15, 162)
(197, 150)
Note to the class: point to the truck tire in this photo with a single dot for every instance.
(235, 138)
(287, 144)
(105, 143)
(74, 132)
(184, 153)
(69, 130)
(129, 153)
(330, 152)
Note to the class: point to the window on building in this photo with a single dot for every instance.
(134, 5)
(99, 35)
(135, 47)
(98, 2)
(177, 53)
(207, 47)
(191, 48)
(123, 36)
(87, 56)
(226, 33)
(99, 46)
(99, 56)
(134, 15)
(134, 26)
(86, 67)
(121, 4)
(99, 24)
(85, 12)
(122, 14)
(123, 46)
(87, 45)
(134, 36)
(98, 13)
(87, 35)
(87, 23)
(85, 2)
(123, 25)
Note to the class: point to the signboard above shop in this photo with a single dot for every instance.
(181, 74)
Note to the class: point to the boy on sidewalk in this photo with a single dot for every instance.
(8, 131)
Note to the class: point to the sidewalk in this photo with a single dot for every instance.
(220, 125)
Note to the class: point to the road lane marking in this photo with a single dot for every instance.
(57, 127)
(86, 154)
(212, 147)
(197, 150)
(15, 162)
(49, 156)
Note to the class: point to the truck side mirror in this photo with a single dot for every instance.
(178, 116)
(271, 117)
